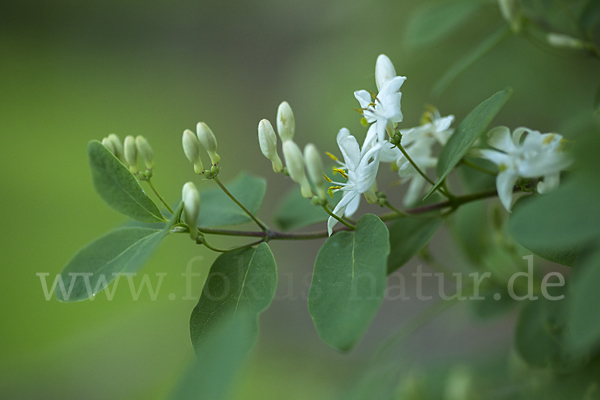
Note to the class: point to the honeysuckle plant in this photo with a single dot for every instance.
(446, 166)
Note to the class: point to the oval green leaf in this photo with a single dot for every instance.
(118, 187)
(584, 298)
(469, 130)
(241, 280)
(217, 209)
(564, 219)
(349, 281)
(219, 361)
(556, 252)
(407, 237)
(99, 262)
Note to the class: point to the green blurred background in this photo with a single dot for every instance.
(72, 71)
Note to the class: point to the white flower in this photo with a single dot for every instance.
(360, 167)
(384, 110)
(420, 152)
(438, 128)
(538, 155)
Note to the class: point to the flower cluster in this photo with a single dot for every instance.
(409, 151)
(537, 155)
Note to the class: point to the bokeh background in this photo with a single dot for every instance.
(72, 71)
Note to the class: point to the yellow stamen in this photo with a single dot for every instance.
(331, 189)
(334, 158)
(341, 172)
(327, 178)
(549, 138)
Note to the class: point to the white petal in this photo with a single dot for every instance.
(363, 97)
(352, 206)
(393, 85)
(549, 183)
(500, 138)
(494, 156)
(339, 210)
(389, 153)
(349, 148)
(414, 190)
(505, 183)
(384, 70)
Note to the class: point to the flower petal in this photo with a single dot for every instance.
(500, 138)
(505, 183)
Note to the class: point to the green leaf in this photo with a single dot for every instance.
(541, 332)
(407, 237)
(470, 58)
(243, 279)
(566, 218)
(472, 231)
(217, 209)
(584, 301)
(433, 22)
(297, 212)
(556, 252)
(469, 130)
(220, 358)
(99, 262)
(118, 187)
(349, 281)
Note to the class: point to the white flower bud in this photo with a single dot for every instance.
(131, 154)
(314, 166)
(565, 41)
(108, 144)
(208, 141)
(268, 144)
(371, 194)
(191, 148)
(286, 125)
(118, 146)
(191, 207)
(144, 150)
(295, 166)
(384, 70)
(511, 13)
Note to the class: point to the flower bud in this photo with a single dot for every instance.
(108, 144)
(314, 166)
(295, 166)
(268, 144)
(208, 141)
(191, 207)
(286, 125)
(565, 41)
(191, 148)
(118, 146)
(130, 151)
(371, 194)
(144, 150)
(384, 70)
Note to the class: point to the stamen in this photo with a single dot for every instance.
(341, 172)
(334, 158)
(549, 138)
(327, 178)
(331, 189)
